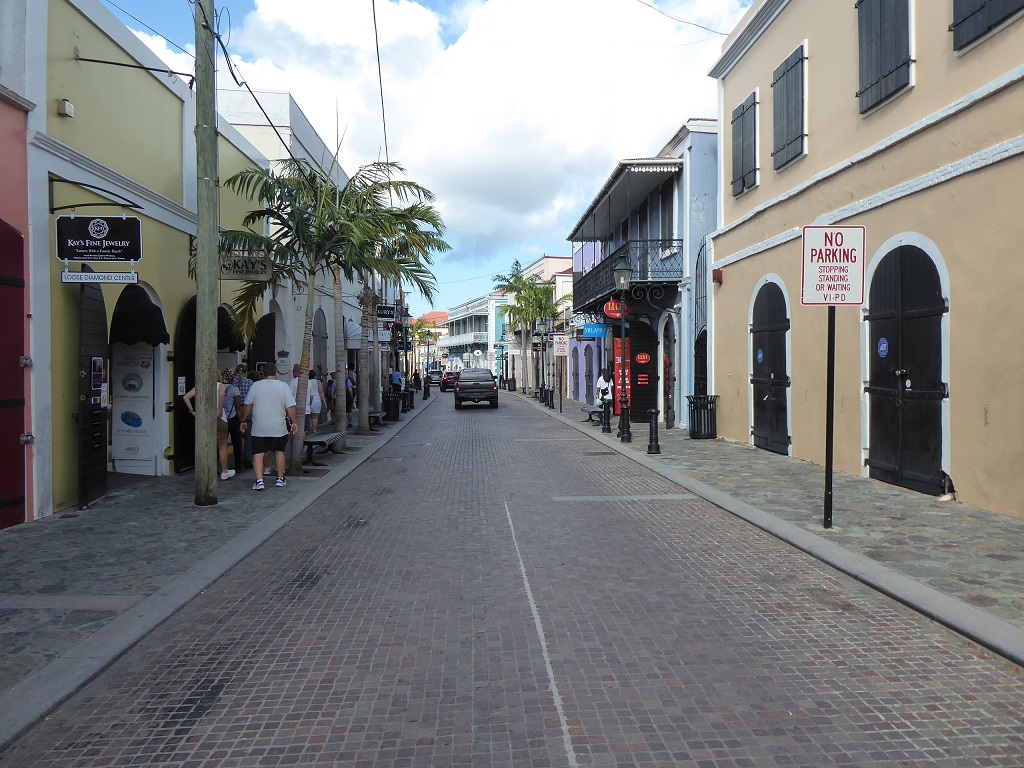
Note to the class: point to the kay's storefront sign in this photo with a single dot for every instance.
(110, 239)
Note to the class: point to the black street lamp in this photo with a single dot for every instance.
(405, 318)
(542, 329)
(623, 272)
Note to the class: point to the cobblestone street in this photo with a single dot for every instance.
(496, 588)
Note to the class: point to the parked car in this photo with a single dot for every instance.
(476, 385)
(435, 377)
(448, 380)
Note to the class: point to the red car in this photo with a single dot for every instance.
(448, 380)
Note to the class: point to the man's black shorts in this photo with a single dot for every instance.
(264, 444)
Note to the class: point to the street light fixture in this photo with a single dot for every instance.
(623, 271)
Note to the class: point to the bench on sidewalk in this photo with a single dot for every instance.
(378, 417)
(592, 411)
(325, 441)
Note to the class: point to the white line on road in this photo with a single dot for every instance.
(566, 740)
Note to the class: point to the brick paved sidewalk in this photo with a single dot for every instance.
(951, 550)
(81, 587)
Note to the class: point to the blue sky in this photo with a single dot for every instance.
(500, 107)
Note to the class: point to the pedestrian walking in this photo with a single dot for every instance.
(222, 427)
(244, 380)
(396, 382)
(271, 404)
(350, 399)
(232, 409)
(417, 381)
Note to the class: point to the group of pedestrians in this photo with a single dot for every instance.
(258, 412)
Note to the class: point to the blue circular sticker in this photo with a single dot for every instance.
(760, 356)
(883, 347)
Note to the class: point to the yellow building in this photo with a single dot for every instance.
(905, 118)
(112, 154)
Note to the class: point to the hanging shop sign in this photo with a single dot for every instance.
(614, 308)
(99, 238)
(561, 342)
(254, 269)
(595, 330)
(386, 311)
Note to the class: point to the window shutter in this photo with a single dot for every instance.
(788, 114)
(749, 146)
(737, 150)
(895, 59)
(974, 18)
(867, 25)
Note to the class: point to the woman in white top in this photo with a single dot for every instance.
(222, 427)
(315, 399)
(605, 386)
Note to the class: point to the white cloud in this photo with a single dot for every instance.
(512, 111)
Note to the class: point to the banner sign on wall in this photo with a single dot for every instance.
(255, 269)
(99, 238)
(131, 388)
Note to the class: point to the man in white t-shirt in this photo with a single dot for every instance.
(269, 401)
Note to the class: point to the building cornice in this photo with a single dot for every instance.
(748, 35)
(14, 99)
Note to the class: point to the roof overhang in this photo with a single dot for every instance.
(631, 182)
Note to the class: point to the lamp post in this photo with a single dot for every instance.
(623, 272)
(405, 317)
(542, 329)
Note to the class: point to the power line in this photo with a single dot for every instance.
(681, 21)
(380, 79)
(140, 21)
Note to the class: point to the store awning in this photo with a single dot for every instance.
(137, 319)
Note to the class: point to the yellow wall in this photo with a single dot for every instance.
(124, 118)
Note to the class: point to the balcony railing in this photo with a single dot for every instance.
(652, 261)
(462, 339)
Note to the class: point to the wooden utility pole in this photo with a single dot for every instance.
(207, 272)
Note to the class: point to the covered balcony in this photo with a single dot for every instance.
(652, 261)
(633, 215)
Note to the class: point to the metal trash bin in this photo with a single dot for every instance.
(390, 402)
(703, 416)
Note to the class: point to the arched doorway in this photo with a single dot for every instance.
(769, 378)
(137, 383)
(668, 374)
(575, 372)
(905, 387)
(12, 375)
(263, 347)
(589, 373)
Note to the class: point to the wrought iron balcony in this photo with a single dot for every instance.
(652, 261)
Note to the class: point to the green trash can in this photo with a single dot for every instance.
(703, 416)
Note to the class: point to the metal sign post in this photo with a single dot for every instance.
(832, 275)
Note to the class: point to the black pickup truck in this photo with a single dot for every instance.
(476, 385)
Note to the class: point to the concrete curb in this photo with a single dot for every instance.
(973, 623)
(32, 698)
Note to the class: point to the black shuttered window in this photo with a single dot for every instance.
(974, 18)
(884, 34)
(788, 109)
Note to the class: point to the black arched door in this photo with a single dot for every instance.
(770, 379)
(263, 348)
(905, 387)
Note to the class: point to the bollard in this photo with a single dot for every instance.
(403, 400)
(606, 417)
(426, 389)
(652, 443)
(412, 399)
(551, 398)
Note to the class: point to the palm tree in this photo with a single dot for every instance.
(372, 225)
(519, 311)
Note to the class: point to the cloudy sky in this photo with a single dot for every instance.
(513, 112)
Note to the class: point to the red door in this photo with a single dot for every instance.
(12, 377)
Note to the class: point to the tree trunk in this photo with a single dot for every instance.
(295, 462)
(339, 416)
(367, 301)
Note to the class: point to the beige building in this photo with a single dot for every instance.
(905, 118)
